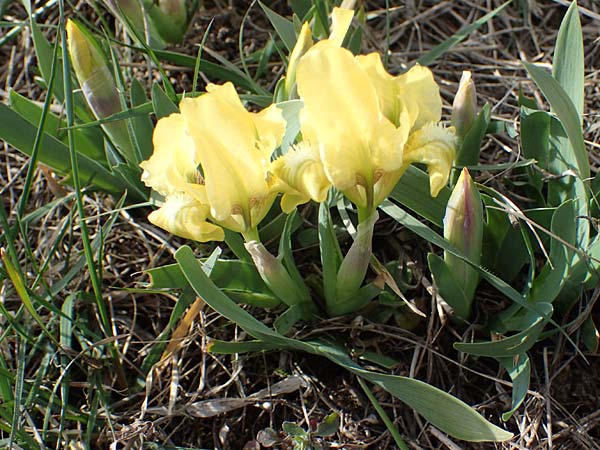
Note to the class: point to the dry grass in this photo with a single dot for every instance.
(561, 411)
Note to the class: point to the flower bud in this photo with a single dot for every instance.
(169, 17)
(464, 107)
(463, 228)
(275, 275)
(97, 83)
(131, 9)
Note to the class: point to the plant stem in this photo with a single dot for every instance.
(386, 419)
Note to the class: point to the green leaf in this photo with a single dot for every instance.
(294, 430)
(328, 426)
(19, 133)
(43, 51)
(590, 335)
(232, 276)
(291, 113)
(295, 313)
(422, 230)
(283, 27)
(468, 153)
(142, 124)
(441, 409)
(433, 54)
(413, 192)
(88, 142)
(331, 255)
(576, 154)
(448, 287)
(504, 246)
(513, 345)
(285, 252)
(535, 135)
(519, 370)
(568, 64)
(230, 72)
(300, 7)
(230, 348)
(162, 104)
(548, 284)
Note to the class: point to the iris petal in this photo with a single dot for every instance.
(434, 146)
(303, 176)
(184, 216)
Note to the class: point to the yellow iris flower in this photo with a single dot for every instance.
(366, 125)
(210, 162)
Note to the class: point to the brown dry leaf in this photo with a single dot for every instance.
(385, 277)
(183, 327)
(214, 407)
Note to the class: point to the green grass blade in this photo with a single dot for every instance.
(105, 321)
(433, 54)
(413, 192)
(227, 71)
(19, 133)
(384, 417)
(199, 58)
(19, 382)
(19, 285)
(283, 26)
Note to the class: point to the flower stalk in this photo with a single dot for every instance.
(355, 264)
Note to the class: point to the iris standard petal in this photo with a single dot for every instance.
(341, 18)
(414, 91)
(421, 93)
(340, 112)
(233, 147)
(184, 216)
(173, 163)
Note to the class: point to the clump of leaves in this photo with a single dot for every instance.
(294, 437)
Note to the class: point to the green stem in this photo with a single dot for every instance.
(251, 235)
(386, 419)
(355, 264)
